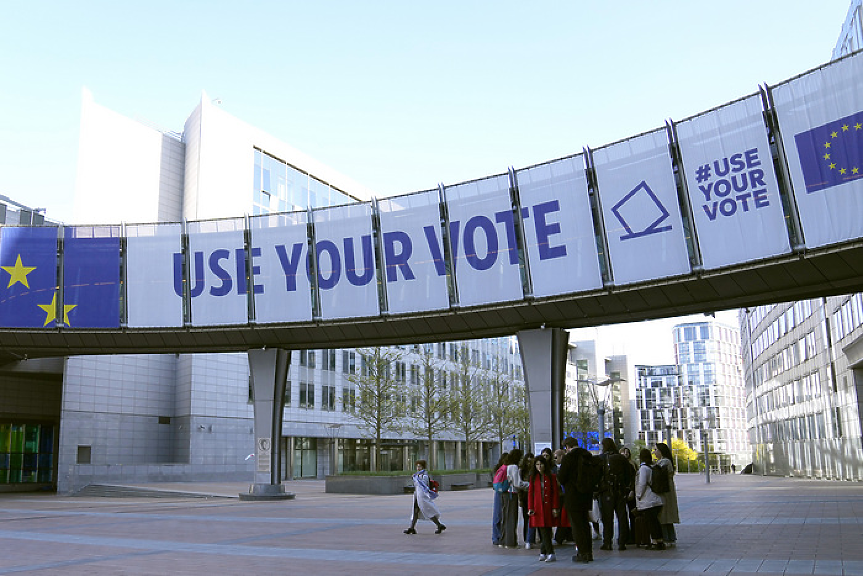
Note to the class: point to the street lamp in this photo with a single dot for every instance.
(600, 402)
(666, 417)
(333, 434)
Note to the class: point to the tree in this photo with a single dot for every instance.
(501, 405)
(430, 404)
(467, 397)
(685, 458)
(521, 416)
(380, 397)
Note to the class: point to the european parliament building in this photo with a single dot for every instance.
(803, 364)
(67, 423)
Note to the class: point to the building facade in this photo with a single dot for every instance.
(803, 364)
(141, 418)
(804, 369)
(700, 399)
(586, 370)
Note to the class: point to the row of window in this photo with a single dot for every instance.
(809, 427)
(784, 323)
(794, 392)
(848, 317)
(789, 357)
(279, 187)
(484, 360)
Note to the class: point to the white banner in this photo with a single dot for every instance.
(154, 275)
(732, 185)
(280, 250)
(414, 263)
(217, 267)
(558, 228)
(482, 237)
(347, 278)
(821, 122)
(639, 206)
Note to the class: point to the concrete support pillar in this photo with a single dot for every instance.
(543, 357)
(269, 371)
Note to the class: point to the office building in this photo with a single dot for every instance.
(175, 417)
(700, 399)
(803, 364)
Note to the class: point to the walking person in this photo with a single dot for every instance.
(497, 510)
(510, 499)
(648, 502)
(424, 506)
(614, 488)
(669, 515)
(577, 503)
(543, 503)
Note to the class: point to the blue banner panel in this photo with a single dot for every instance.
(28, 277)
(91, 280)
(831, 154)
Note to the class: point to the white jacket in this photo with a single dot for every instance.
(513, 474)
(644, 496)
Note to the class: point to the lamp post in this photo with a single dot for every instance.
(333, 435)
(600, 402)
(666, 417)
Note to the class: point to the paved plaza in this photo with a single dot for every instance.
(734, 525)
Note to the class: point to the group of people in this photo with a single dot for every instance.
(560, 491)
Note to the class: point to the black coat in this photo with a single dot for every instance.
(618, 476)
(567, 475)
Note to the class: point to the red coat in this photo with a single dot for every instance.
(543, 496)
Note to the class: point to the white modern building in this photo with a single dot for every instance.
(803, 364)
(587, 370)
(701, 398)
(140, 418)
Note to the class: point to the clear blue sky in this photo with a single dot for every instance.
(398, 96)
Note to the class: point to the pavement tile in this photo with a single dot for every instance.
(734, 525)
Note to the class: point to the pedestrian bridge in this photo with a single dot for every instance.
(754, 202)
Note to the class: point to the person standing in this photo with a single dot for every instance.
(577, 503)
(424, 496)
(630, 498)
(613, 491)
(564, 530)
(510, 499)
(669, 515)
(649, 503)
(497, 510)
(528, 533)
(543, 506)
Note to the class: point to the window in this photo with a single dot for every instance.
(288, 393)
(328, 360)
(307, 395)
(349, 362)
(349, 399)
(328, 398)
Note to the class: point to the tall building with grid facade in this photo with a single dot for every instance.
(701, 398)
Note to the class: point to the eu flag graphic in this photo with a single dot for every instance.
(28, 277)
(91, 280)
(831, 154)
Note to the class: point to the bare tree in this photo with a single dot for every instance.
(468, 400)
(429, 404)
(380, 396)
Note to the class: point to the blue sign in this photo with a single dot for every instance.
(831, 154)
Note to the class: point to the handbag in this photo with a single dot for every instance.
(594, 514)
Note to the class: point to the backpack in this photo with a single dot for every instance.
(659, 479)
(500, 482)
(610, 481)
(590, 470)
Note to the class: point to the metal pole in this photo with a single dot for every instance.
(600, 413)
(706, 456)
